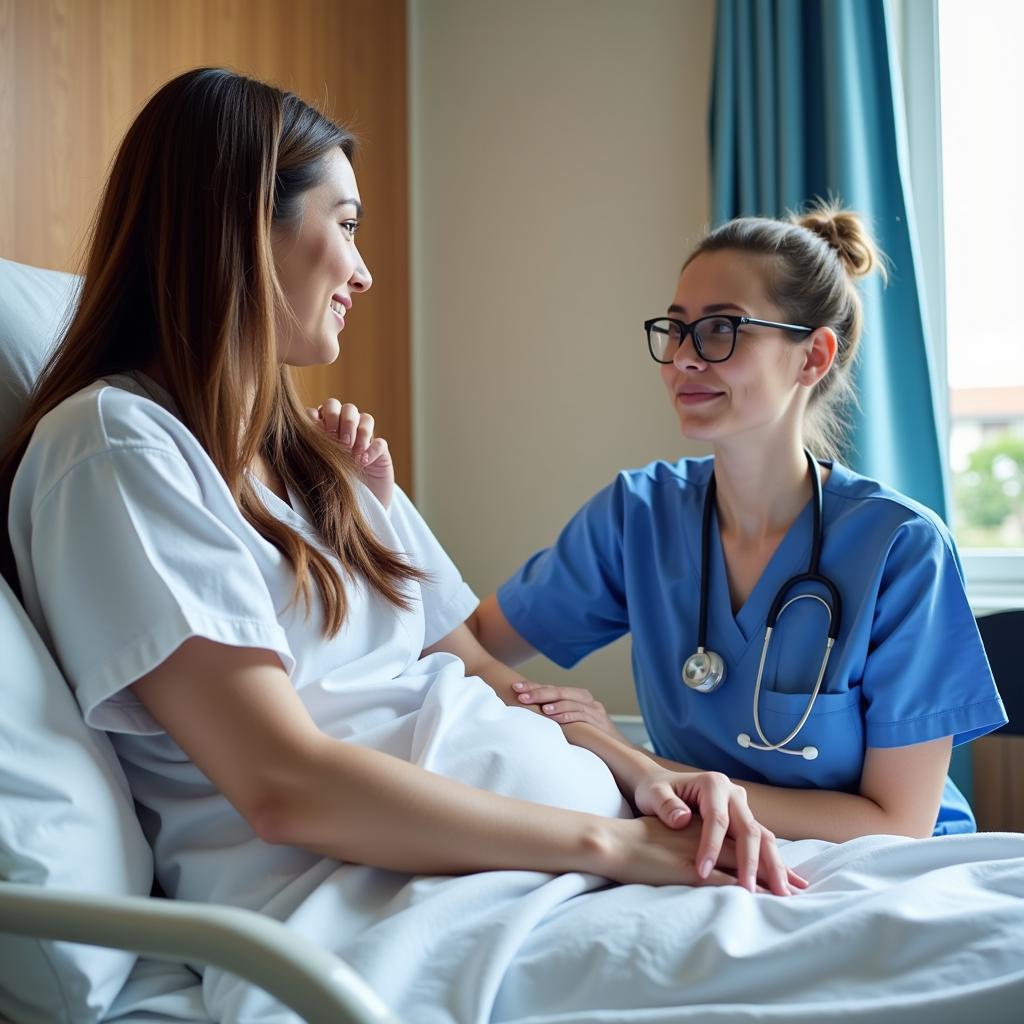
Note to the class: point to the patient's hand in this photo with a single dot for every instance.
(353, 430)
(568, 704)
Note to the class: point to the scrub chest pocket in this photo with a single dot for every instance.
(835, 727)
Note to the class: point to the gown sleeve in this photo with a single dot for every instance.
(570, 599)
(447, 598)
(926, 674)
(128, 562)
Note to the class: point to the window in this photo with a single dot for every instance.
(981, 87)
(963, 85)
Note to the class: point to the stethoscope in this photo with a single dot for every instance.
(705, 670)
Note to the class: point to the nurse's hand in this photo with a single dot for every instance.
(353, 430)
(568, 704)
(672, 797)
(644, 850)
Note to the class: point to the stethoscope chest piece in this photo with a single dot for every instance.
(704, 671)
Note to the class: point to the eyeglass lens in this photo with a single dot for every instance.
(714, 338)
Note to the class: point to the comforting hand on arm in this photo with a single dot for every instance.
(562, 704)
(900, 790)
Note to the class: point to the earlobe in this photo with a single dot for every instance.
(819, 356)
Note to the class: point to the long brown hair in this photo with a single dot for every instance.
(180, 274)
(812, 261)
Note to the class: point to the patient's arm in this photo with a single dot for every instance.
(236, 714)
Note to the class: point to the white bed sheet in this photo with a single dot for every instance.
(159, 993)
(908, 931)
(891, 930)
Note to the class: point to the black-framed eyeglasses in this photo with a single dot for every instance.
(714, 337)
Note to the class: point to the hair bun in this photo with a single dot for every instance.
(844, 231)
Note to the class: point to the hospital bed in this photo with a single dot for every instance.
(75, 870)
(171, 933)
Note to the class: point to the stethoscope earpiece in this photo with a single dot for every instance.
(807, 753)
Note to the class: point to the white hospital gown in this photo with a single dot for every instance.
(128, 542)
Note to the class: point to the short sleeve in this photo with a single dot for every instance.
(447, 599)
(926, 674)
(570, 599)
(128, 562)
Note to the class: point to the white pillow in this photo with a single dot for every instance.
(66, 821)
(66, 816)
(33, 306)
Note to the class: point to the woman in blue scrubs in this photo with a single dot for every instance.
(755, 352)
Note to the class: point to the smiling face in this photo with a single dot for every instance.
(319, 267)
(760, 386)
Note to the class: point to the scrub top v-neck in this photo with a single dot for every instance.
(746, 625)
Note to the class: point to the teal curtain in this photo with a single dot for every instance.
(807, 102)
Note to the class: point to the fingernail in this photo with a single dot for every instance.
(364, 458)
(677, 815)
(519, 686)
(705, 869)
(525, 698)
(346, 438)
(549, 708)
(752, 883)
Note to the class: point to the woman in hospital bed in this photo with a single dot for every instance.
(268, 631)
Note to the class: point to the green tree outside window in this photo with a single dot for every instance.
(989, 494)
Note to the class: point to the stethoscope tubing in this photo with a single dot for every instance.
(780, 603)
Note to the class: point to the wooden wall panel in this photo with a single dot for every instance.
(6, 123)
(998, 798)
(74, 72)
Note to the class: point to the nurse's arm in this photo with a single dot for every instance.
(900, 793)
(495, 633)
(510, 685)
(480, 662)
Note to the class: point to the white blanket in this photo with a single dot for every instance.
(890, 929)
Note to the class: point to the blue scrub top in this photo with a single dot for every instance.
(908, 664)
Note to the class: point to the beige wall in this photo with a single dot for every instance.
(558, 175)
